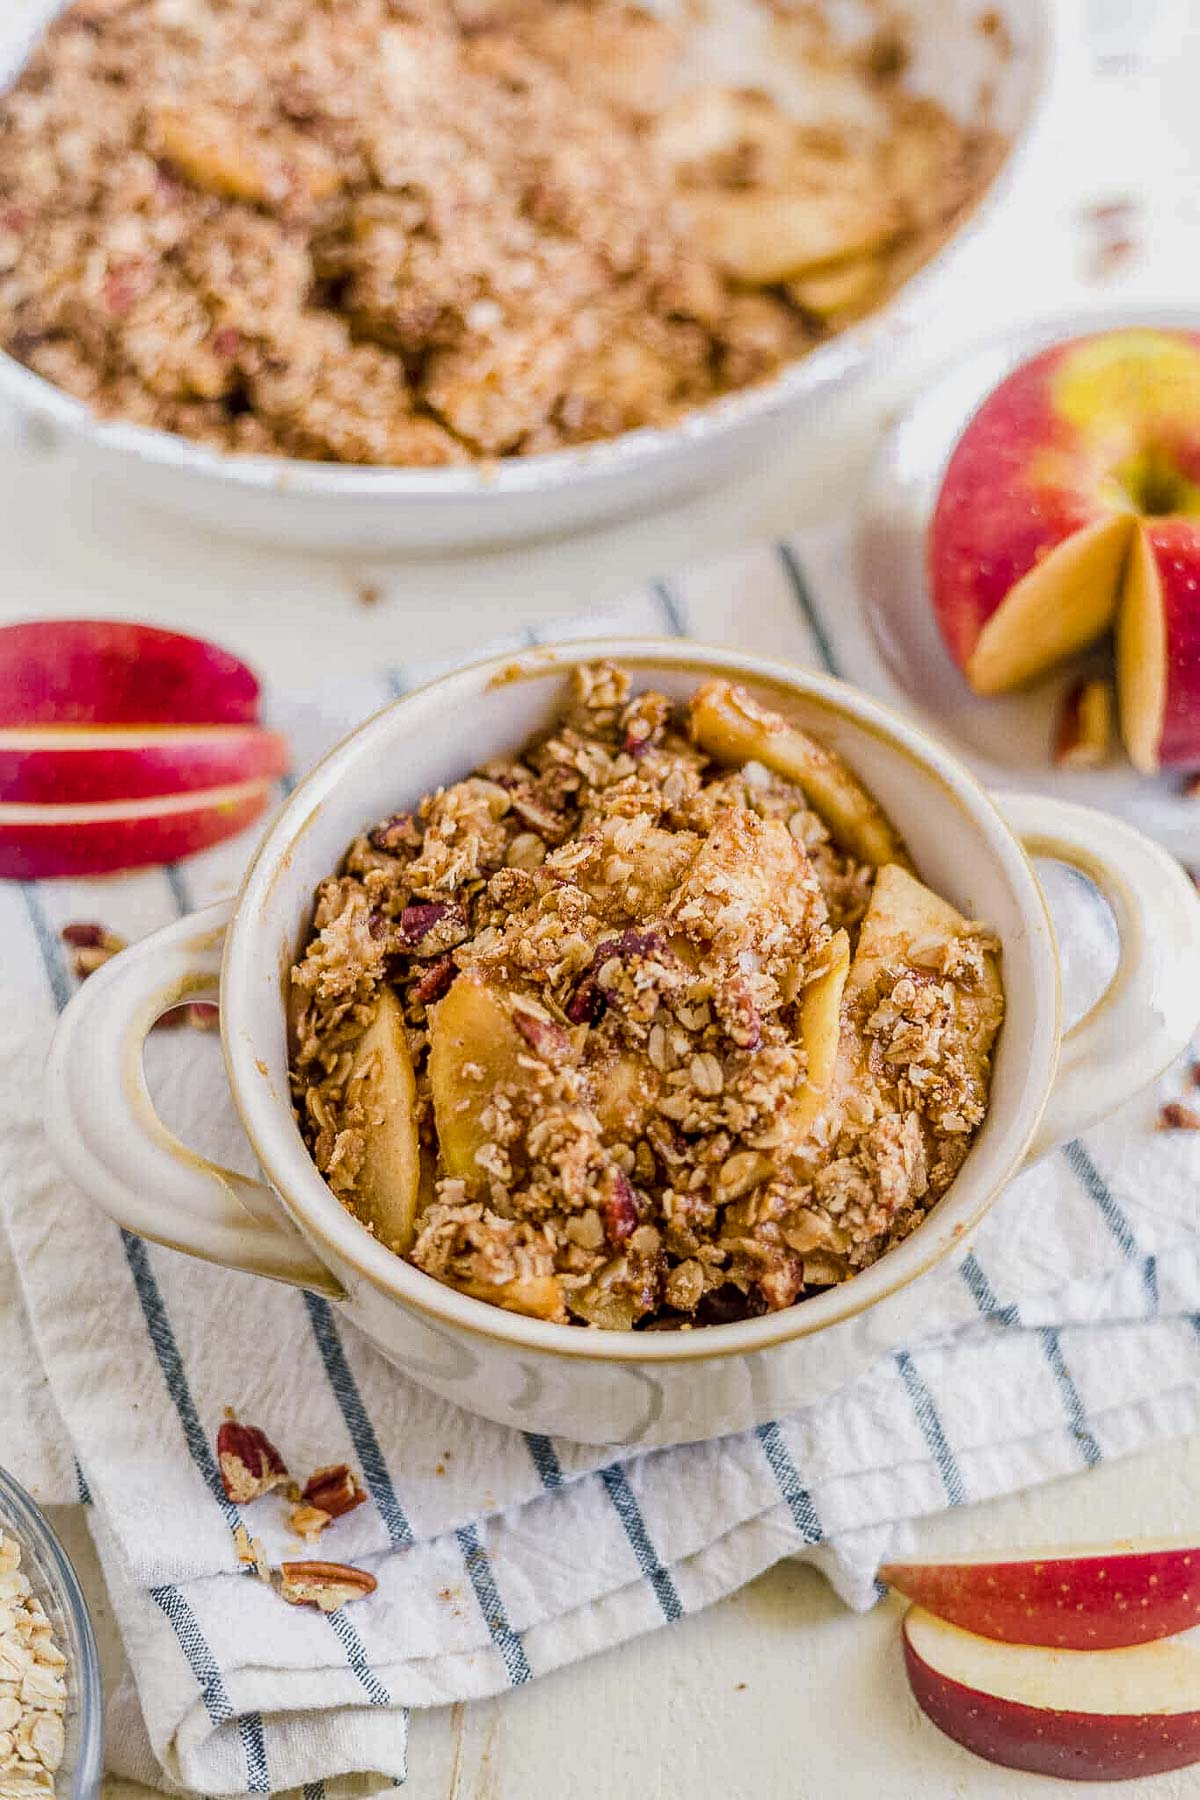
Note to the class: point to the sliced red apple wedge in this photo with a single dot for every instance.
(1083, 1715)
(1072, 1598)
(1158, 646)
(59, 765)
(108, 672)
(46, 841)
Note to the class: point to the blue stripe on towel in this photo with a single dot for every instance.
(200, 1659)
(1048, 1338)
(787, 1478)
(984, 1294)
(356, 1656)
(932, 1430)
(624, 1501)
(177, 883)
(1097, 1189)
(81, 1486)
(170, 1364)
(358, 1423)
(314, 1790)
(671, 608)
(49, 947)
(1071, 1398)
(1095, 1186)
(798, 582)
(545, 1460)
(483, 1580)
(191, 1639)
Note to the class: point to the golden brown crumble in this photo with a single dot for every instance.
(420, 231)
(616, 1031)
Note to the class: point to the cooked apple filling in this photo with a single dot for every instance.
(651, 1024)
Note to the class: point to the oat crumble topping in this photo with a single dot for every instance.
(418, 232)
(619, 1031)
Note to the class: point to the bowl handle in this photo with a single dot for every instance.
(103, 1126)
(1146, 1016)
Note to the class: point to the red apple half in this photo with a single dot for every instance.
(1041, 499)
(108, 672)
(37, 842)
(1072, 1598)
(50, 764)
(1083, 1715)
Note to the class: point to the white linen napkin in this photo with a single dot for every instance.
(1071, 1335)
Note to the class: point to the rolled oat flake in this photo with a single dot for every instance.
(33, 1694)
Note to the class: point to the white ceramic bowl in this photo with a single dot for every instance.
(609, 1387)
(336, 507)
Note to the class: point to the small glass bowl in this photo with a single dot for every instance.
(56, 1585)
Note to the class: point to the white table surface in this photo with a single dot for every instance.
(778, 1691)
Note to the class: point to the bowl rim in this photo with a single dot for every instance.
(330, 1227)
(827, 365)
(36, 1535)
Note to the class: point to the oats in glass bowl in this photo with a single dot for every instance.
(650, 1024)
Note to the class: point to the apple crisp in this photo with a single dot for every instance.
(650, 1024)
(418, 232)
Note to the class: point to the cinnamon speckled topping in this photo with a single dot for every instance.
(423, 231)
(612, 956)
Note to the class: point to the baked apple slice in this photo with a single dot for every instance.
(383, 1086)
(734, 729)
(906, 923)
(820, 1032)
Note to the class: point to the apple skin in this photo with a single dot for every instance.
(48, 767)
(1082, 1600)
(1000, 511)
(108, 672)
(41, 843)
(1077, 438)
(1174, 544)
(1072, 1745)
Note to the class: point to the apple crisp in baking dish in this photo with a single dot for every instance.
(417, 232)
(649, 1024)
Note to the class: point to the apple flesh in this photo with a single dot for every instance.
(1074, 1599)
(40, 842)
(45, 765)
(108, 672)
(1081, 1715)
(1043, 499)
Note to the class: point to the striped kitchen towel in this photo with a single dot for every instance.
(1071, 1334)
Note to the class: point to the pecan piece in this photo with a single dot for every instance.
(436, 981)
(539, 818)
(335, 1489)
(431, 927)
(618, 1208)
(324, 1584)
(544, 1036)
(250, 1464)
(93, 944)
(586, 1005)
(400, 832)
(1174, 1116)
(308, 1522)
